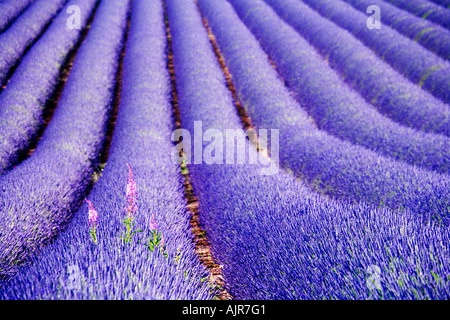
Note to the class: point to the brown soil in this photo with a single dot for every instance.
(243, 115)
(202, 245)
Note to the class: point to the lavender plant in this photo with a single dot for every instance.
(444, 3)
(430, 35)
(425, 10)
(392, 94)
(329, 165)
(93, 221)
(334, 106)
(114, 269)
(131, 207)
(22, 102)
(413, 61)
(156, 239)
(23, 32)
(42, 193)
(275, 238)
(10, 9)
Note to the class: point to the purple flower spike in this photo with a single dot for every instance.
(93, 216)
(131, 194)
(153, 224)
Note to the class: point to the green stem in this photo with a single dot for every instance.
(93, 234)
(129, 224)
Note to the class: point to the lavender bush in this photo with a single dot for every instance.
(40, 195)
(379, 230)
(412, 60)
(23, 100)
(10, 9)
(275, 238)
(444, 3)
(24, 31)
(425, 10)
(330, 165)
(113, 269)
(334, 106)
(432, 36)
(376, 81)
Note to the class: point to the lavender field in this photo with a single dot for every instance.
(224, 149)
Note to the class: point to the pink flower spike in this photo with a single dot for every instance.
(93, 216)
(131, 194)
(153, 224)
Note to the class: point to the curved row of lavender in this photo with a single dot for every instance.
(24, 31)
(112, 269)
(330, 165)
(10, 9)
(21, 115)
(392, 94)
(334, 106)
(425, 10)
(432, 36)
(275, 238)
(412, 60)
(39, 196)
(444, 3)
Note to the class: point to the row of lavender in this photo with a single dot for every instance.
(444, 3)
(39, 196)
(21, 115)
(392, 94)
(334, 167)
(111, 268)
(10, 9)
(282, 266)
(334, 106)
(276, 238)
(22, 33)
(412, 60)
(426, 10)
(430, 35)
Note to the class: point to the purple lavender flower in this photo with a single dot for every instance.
(93, 219)
(153, 224)
(131, 208)
(131, 194)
